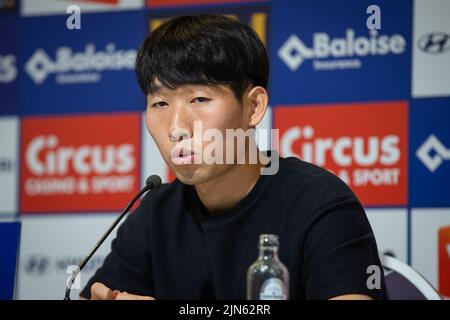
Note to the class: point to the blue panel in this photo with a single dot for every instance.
(85, 70)
(322, 51)
(9, 238)
(430, 152)
(9, 51)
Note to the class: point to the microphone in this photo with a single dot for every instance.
(152, 182)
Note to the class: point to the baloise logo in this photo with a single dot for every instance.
(433, 153)
(78, 67)
(294, 52)
(434, 42)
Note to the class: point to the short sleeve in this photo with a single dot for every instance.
(338, 248)
(128, 265)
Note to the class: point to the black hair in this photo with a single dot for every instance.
(202, 49)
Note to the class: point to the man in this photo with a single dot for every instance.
(196, 237)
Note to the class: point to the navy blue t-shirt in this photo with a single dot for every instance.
(171, 248)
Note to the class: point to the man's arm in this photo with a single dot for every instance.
(128, 266)
(101, 292)
(338, 249)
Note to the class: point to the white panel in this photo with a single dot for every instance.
(152, 161)
(263, 134)
(431, 71)
(9, 142)
(424, 247)
(390, 227)
(52, 242)
(43, 7)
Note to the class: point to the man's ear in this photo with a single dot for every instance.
(257, 100)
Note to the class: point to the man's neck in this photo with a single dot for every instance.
(225, 191)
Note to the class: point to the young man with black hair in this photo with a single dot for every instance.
(196, 237)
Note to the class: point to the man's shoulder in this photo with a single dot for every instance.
(311, 186)
(305, 174)
(163, 197)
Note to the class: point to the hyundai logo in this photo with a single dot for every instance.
(37, 264)
(434, 42)
(41, 264)
(6, 165)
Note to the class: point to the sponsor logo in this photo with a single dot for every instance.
(433, 153)
(444, 261)
(8, 70)
(39, 265)
(6, 165)
(78, 67)
(429, 157)
(344, 151)
(365, 145)
(83, 160)
(431, 50)
(64, 169)
(434, 42)
(339, 53)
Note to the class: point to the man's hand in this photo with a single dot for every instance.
(101, 292)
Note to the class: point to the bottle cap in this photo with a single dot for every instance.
(268, 240)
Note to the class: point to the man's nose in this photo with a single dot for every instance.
(180, 127)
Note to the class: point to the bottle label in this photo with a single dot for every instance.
(272, 289)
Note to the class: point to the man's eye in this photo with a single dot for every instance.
(200, 99)
(159, 104)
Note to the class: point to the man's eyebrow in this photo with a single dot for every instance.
(155, 90)
(158, 89)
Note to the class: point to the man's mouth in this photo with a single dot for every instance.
(182, 156)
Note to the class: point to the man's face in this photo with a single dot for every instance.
(170, 119)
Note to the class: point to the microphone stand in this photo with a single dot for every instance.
(152, 182)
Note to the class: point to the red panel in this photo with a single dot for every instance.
(363, 143)
(444, 261)
(79, 163)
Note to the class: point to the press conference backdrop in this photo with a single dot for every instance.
(366, 95)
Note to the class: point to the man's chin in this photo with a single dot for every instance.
(199, 174)
(188, 175)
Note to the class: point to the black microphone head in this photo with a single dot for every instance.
(153, 181)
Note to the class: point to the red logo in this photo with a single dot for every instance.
(365, 144)
(444, 261)
(160, 3)
(79, 163)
